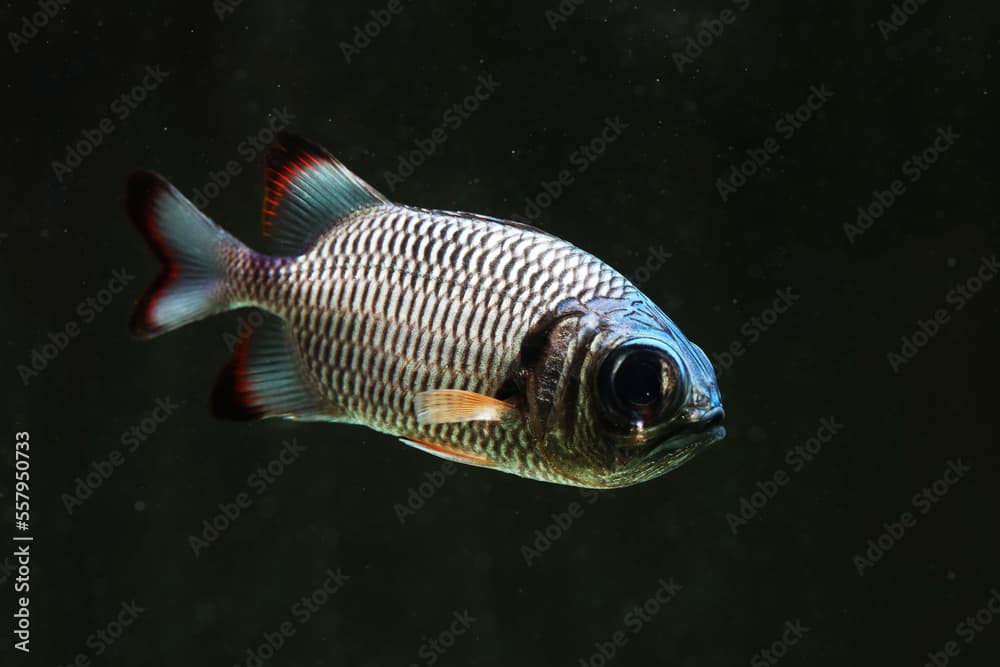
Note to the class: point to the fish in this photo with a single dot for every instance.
(483, 341)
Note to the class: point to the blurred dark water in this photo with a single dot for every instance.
(759, 545)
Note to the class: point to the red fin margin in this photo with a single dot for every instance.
(265, 378)
(306, 190)
(191, 249)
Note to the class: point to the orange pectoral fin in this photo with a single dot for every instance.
(449, 406)
(448, 453)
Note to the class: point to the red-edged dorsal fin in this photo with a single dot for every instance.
(265, 378)
(306, 191)
(450, 453)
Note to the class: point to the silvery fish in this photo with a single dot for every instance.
(479, 340)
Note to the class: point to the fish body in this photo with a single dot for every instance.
(480, 340)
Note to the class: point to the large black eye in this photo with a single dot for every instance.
(638, 384)
(637, 380)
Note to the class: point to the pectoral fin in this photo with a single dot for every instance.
(448, 406)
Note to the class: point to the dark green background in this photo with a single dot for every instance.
(655, 186)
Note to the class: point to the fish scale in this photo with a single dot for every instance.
(384, 297)
(484, 341)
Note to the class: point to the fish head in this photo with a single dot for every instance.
(637, 398)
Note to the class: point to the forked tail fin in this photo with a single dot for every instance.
(194, 252)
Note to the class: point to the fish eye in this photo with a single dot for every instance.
(637, 380)
(638, 384)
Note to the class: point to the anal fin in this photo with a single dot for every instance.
(265, 378)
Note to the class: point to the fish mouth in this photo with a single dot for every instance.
(698, 430)
(664, 457)
(706, 420)
(701, 429)
(688, 442)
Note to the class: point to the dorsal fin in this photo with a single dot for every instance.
(306, 191)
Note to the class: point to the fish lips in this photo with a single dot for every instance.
(671, 452)
(698, 429)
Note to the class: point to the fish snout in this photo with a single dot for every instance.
(700, 420)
